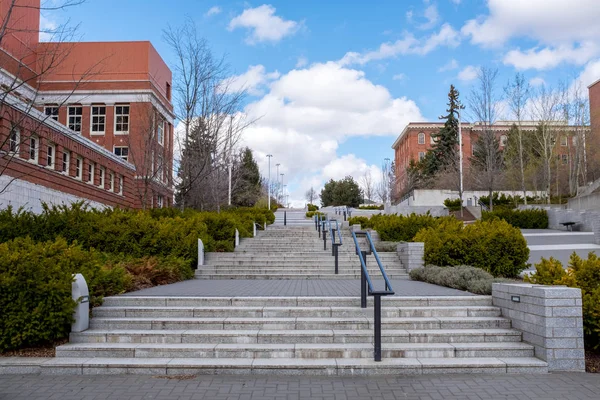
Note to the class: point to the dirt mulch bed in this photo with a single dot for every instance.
(41, 351)
(592, 361)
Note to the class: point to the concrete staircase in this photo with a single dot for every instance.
(294, 252)
(294, 335)
(293, 217)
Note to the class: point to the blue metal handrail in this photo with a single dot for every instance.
(388, 285)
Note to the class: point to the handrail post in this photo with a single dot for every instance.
(363, 281)
(344, 215)
(332, 241)
(319, 226)
(316, 223)
(377, 321)
(324, 238)
(284, 218)
(336, 247)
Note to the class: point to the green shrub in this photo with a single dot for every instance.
(364, 222)
(312, 207)
(452, 204)
(461, 277)
(583, 274)
(311, 214)
(371, 207)
(524, 219)
(494, 246)
(401, 228)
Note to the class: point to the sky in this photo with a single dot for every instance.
(333, 83)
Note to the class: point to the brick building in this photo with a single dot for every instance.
(416, 139)
(85, 120)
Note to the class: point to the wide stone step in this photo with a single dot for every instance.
(269, 312)
(302, 350)
(226, 276)
(286, 366)
(300, 323)
(295, 301)
(305, 336)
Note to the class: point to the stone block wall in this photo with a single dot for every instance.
(550, 318)
(411, 254)
(436, 211)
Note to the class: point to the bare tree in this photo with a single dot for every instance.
(579, 118)
(366, 181)
(517, 95)
(546, 109)
(484, 105)
(310, 195)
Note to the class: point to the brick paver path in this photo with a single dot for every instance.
(447, 387)
(292, 287)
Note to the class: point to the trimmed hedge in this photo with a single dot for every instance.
(401, 228)
(524, 219)
(494, 246)
(364, 222)
(452, 204)
(583, 274)
(312, 207)
(461, 277)
(311, 214)
(371, 207)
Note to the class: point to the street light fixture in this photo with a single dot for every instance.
(277, 177)
(269, 183)
(282, 186)
(460, 166)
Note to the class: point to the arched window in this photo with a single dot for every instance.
(503, 140)
(421, 138)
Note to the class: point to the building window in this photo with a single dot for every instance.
(121, 119)
(33, 149)
(101, 177)
(91, 169)
(111, 182)
(421, 138)
(65, 162)
(159, 201)
(50, 156)
(421, 155)
(159, 168)
(574, 140)
(98, 120)
(168, 86)
(565, 159)
(78, 168)
(52, 112)
(503, 140)
(74, 121)
(431, 139)
(121, 181)
(122, 152)
(160, 131)
(14, 140)
(563, 141)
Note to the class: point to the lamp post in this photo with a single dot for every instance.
(277, 177)
(460, 166)
(386, 177)
(269, 183)
(282, 174)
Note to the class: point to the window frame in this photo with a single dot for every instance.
(565, 159)
(160, 127)
(111, 182)
(121, 184)
(159, 201)
(52, 115)
(421, 135)
(564, 141)
(102, 176)
(92, 123)
(14, 144)
(122, 115)
(75, 116)
(421, 155)
(79, 168)
(91, 173)
(65, 168)
(503, 140)
(36, 149)
(50, 158)
(126, 158)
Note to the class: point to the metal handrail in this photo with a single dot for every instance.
(379, 263)
(482, 204)
(389, 289)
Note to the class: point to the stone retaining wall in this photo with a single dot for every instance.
(550, 318)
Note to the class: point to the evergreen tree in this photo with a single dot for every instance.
(344, 192)
(249, 187)
(444, 152)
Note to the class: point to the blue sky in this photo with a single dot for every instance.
(335, 82)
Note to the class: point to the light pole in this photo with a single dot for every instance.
(269, 183)
(282, 186)
(460, 166)
(386, 183)
(277, 177)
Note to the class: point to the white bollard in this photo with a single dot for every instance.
(200, 253)
(237, 238)
(81, 294)
(254, 228)
(265, 226)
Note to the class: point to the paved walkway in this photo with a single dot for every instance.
(292, 287)
(447, 387)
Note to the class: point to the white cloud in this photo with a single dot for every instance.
(449, 66)
(302, 62)
(308, 112)
(47, 28)
(457, 2)
(213, 11)
(399, 77)
(253, 80)
(409, 15)
(589, 75)
(447, 36)
(263, 24)
(549, 21)
(537, 81)
(469, 73)
(432, 17)
(550, 57)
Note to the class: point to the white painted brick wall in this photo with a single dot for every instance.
(30, 196)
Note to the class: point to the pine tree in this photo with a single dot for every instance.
(249, 186)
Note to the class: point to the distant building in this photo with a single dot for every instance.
(97, 125)
(416, 139)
